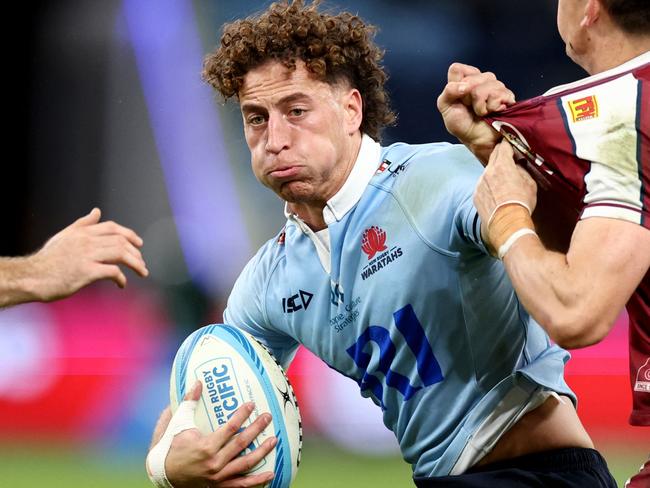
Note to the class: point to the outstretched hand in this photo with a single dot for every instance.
(195, 460)
(86, 251)
(468, 96)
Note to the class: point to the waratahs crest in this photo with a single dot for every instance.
(373, 241)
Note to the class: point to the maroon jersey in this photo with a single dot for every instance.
(642, 479)
(587, 145)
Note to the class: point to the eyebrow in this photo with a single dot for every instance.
(251, 106)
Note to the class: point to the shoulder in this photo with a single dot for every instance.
(427, 171)
(246, 302)
(265, 259)
(436, 153)
(433, 185)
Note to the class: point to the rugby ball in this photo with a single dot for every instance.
(235, 368)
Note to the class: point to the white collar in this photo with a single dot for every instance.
(621, 68)
(347, 197)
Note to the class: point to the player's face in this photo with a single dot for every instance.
(300, 131)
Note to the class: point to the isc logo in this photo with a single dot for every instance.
(296, 302)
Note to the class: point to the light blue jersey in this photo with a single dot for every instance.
(400, 294)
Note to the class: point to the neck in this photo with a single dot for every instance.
(310, 215)
(311, 212)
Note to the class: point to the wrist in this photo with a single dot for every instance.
(481, 141)
(506, 220)
(482, 151)
(514, 237)
(19, 281)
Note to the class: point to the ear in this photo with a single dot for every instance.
(591, 14)
(353, 106)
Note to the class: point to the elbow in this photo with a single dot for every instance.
(578, 329)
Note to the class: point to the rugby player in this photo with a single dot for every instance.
(404, 298)
(586, 146)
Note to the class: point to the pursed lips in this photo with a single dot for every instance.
(284, 172)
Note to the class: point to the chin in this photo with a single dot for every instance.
(572, 54)
(296, 192)
(577, 58)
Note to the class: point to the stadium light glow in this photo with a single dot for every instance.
(189, 139)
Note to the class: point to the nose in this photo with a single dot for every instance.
(277, 134)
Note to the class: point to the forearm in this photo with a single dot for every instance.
(563, 297)
(18, 281)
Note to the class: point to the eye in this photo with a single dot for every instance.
(255, 120)
(297, 112)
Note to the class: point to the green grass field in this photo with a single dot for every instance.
(323, 466)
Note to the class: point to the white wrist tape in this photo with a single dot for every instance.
(503, 204)
(183, 419)
(505, 247)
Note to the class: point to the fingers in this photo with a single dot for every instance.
(224, 433)
(108, 272)
(117, 250)
(243, 440)
(219, 458)
(195, 392)
(89, 219)
(458, 71)
(243, 464)
(503, 153)
(527, 179)
(487, 93)
(481, 91)
(504, 180)
(247, 481)
(113, 228)
(453, 92)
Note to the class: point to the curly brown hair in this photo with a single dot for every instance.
(333, 48)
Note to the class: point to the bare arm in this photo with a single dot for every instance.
(83, 252)
(576, 296)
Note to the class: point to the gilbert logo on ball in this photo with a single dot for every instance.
(235, 368)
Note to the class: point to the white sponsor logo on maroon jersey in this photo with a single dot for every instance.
(643, 378)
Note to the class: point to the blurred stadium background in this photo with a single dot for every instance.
(104, 107)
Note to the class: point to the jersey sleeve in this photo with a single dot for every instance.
(615, 140)
(467, 224)
(246, 308)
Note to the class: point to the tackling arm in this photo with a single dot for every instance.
(576, 296)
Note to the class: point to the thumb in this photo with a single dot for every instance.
(504, 152)
(195, 392)
(88, 219)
